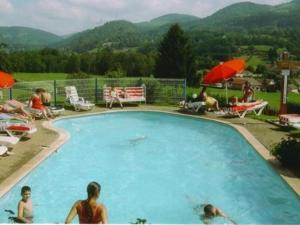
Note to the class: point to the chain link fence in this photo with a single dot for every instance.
(158, 91)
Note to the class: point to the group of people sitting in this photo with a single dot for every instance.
(91, 212)
(40, 100)
(213, 104)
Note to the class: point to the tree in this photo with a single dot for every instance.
(175, 56)
(272, 55)
(73, 64)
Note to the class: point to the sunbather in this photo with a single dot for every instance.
(89, 211)
(36, 103)
(17, 111)
(211, 102)
(45, 97)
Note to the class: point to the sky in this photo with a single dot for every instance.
(69, 16)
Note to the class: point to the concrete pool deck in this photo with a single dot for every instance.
(29, 153)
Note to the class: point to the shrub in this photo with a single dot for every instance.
(288, 152)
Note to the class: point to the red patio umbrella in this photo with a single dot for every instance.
(224, 72)
(6, 80)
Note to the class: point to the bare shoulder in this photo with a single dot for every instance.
(101, 207)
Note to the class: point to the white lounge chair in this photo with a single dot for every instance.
(77, 102)
(296, 125)
(14, 125)
(243, 109)
(193, 106)
(9, 140)
(3, 150)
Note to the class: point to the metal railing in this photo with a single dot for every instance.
(158, 91)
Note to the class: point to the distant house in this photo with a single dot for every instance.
(238, 83)
(268, 85)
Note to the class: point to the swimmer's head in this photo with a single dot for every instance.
(26, 192)
(209, 210)
(93, 190)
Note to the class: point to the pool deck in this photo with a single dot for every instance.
(30, 152)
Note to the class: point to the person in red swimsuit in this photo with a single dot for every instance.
(89, 211)
(36, 103)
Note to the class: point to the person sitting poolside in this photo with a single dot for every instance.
(210, 212)
(36, 103)
(211, 103)
(25, 213)
(45, 97)
(89, 211)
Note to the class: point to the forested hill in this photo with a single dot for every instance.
(239, 17)
(25, 38)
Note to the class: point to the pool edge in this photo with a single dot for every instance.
(18, 175)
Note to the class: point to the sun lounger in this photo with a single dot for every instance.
(193, 106)
(296, 125)
(3, 150)
(79, 103)
(12, 126)
(131, 94)
(9, 140)
(289, 119)
(34, 112)
(243, 109)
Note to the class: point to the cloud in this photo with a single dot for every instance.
(6, 6)
(69, 16)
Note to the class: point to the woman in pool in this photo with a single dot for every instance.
(89, 211)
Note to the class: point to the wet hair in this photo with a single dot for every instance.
(93, 188)
(208, 209)
(24, 189)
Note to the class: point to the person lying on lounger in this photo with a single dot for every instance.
(18, 112)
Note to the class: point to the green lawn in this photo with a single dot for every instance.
(39, 76)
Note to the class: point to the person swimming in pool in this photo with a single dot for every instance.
(25, 214)
(211, 211)
(89, 211)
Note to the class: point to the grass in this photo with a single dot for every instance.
(39, 76)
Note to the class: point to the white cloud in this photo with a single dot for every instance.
(68, 16)
(6, 6)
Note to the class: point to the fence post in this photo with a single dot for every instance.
(184, 92)
(54, 92)
(10, 94)
(96, 90)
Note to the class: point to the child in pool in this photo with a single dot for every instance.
(25, 214)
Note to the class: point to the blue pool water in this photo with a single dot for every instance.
(159, 167)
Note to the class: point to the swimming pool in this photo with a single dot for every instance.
(158, 167)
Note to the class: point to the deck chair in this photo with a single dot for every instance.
(242, 110)
(193, 106)
(16, 126)
(3, 150)
(289, 119)
(296, 125)
(9, 140)
(79, 103)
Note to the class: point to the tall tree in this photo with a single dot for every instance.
(175, 56)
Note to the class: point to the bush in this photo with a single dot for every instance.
(288, 152)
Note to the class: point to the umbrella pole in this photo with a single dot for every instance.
(226, 92)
